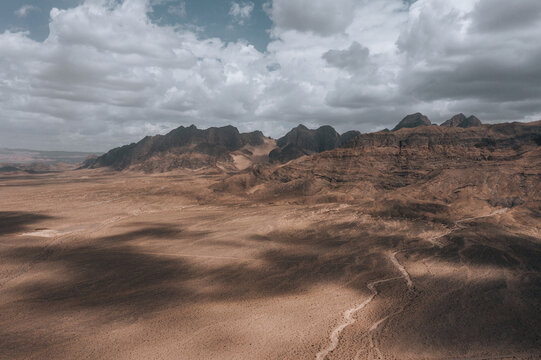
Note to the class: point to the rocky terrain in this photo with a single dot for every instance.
(413, 121)
(302, 141)
(226, 149)
(220, 148)
(430, 155)
(418, 243)
(462, 121)
(184, 147)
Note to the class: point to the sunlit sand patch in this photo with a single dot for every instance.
(42, 233)
(441, 270)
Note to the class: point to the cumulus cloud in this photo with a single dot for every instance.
(107, 75)
(241, 11)
(24, 10)
(104, 69)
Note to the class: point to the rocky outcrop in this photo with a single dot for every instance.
(413, 121)
(460, 120)
(302, 141)
(432, 158)
(321, 139)
(184, 147)
(488, 137)
(347, 137)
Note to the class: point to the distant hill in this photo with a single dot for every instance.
(34, 168)
(187, 147)
(27, 156)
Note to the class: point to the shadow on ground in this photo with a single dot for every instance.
(115, 277)
(12, 222)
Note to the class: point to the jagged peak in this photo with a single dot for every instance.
(460, 120)
(412, 121)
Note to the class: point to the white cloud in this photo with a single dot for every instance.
(107, 75)
(24, 10)
(241, 11)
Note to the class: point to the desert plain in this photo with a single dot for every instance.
(94, 265)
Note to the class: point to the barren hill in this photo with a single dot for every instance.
(303, 141)
(185, 147)
(412, 121)
(462, 121)
(411, 159)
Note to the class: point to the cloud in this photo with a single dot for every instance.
(498, 16)
(24, 10)
(352, 59)
(103, 69)
(107, 75)
(241, 11)
(322, 17)
(470, 61)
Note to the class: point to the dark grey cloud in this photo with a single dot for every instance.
(487, 62)
(483, 78)
(496, 16)
(354, 58)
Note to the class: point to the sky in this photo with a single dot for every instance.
(90, 75)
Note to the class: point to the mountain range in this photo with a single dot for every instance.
(226, 149)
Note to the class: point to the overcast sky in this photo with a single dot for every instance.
(94, 74)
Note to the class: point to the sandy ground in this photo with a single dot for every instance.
(101, 266)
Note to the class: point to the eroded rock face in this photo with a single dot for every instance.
(433, 158)
(287, 153)
(471, 121)
(321, 139)
(413, 121)
(460, 120)
(184, 147)
(302, 141)
(455, 121)
(347, 137)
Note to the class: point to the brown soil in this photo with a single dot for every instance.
(439, 263)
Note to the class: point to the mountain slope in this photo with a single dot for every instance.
(449, 161)
(184, 147)
(302, 141)
(460, 120)
(413, 121)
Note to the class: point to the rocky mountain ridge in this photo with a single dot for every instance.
(460, 120)
(303, 141)
(183, 147)
(413, 121)
(227, 149)
(437, 158)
